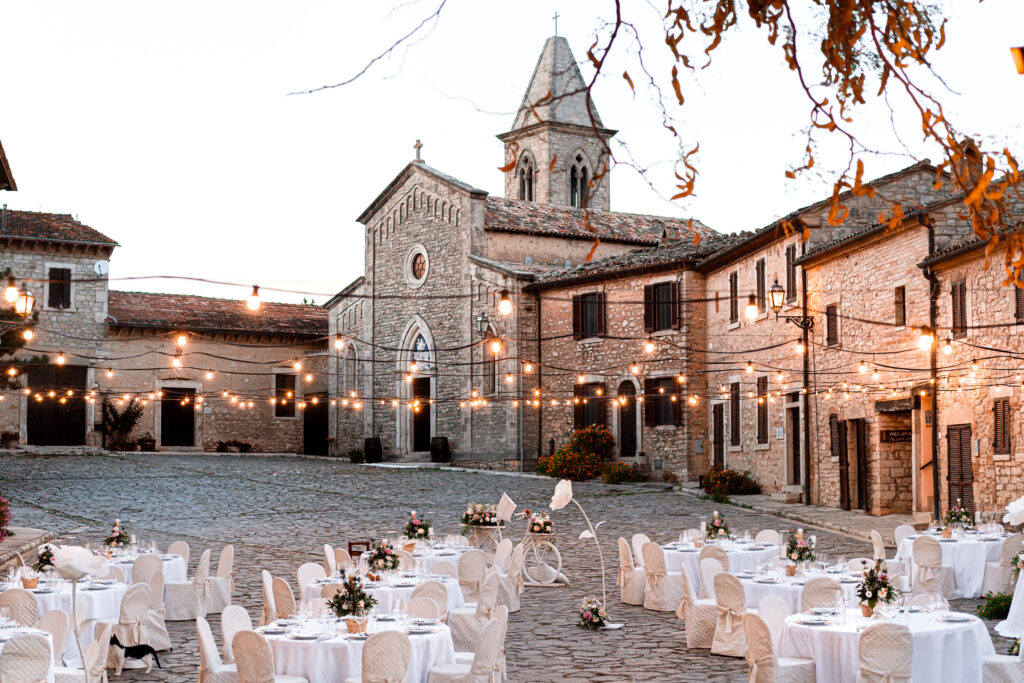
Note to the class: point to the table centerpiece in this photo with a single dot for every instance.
(382, 558)
(874, 588)
(798, 550)
(352, 602)
(117, 540)
(416, 529)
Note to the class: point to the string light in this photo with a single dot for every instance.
(635, 368)
(61, 359)
(800, 348)
(862, 367)
(681, 379)
(110, 373)
(176, 362)
(309, 377)
(649, 346)
(509, 378)
(527, 368)
(209, 374)
(751, 310)
(504, 303)
(974, 367)
(27, 334)
(414, 367)
(339, 344)
(495, 346)
(581, 379)
(297, 365)
(252, 302)
(13, 372)
(947, 348)
(182, 339)
(925, 341)
(750, 368)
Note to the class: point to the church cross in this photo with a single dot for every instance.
(556, 21)
(418, 146)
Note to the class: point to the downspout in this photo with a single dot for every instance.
(933, 297)
(540, 371)
(807, 392)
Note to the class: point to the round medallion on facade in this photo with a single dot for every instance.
(417, 265)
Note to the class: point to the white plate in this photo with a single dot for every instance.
(953, 618)
(418, 630)
(272, 631)
(305, 636)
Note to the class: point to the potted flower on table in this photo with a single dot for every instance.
(416, 529)
(44, 558)
(382, 558)
(118, 538)
(718, 529)
(799, 549)
(874, 588)
(957, 516)
(352, 603)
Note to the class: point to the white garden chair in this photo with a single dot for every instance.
(26, 658)
(700, 616)
(999, 576)
(820, 591)
(773, 611)
(186, 600)
(211, 668)
(233, 619)
(729, 637)
(254, 660)
(222, 585)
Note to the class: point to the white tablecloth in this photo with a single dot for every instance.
(175, 570)
(741, 557)
(942, 652)
(5, 634)
(103, 604)
(388, 596)
(966, 557)
(426, 562)
(334, 660)
(1013, 627)
(789, 589)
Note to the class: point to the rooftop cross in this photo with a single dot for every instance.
(418, 146)
(556, 21)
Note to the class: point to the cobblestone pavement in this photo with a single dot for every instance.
(278, 512)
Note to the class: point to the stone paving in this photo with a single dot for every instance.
(278, 512)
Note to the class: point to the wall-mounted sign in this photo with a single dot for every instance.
(896, 436)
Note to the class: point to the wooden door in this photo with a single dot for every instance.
(837, 432)
(421, 415)
(718, 426)
(794, 445)
(627, 421)
(178, 417)
(860, 437)
(961, 471)
(314, 426)
(50, 422)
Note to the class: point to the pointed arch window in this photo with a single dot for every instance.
(578, 183)
(526, 175)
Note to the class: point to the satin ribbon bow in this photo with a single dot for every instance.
(728, 613)
(654, 576)
(878, 676)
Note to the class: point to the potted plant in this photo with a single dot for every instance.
(799, 549)
(874, 588)
(416, 529)
(352, 603)
(147, 443)
(381, 559)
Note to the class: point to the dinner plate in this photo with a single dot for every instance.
(424, 622)
(305, 636)
(686, 550)
(812, 620)
(954, 618)
(272, 631)
(849, 581)
(44, 591)
(287, 622)
(947, 540)
(386, 617)
(404, 585)
(823, 610)
(418, 630)
(767, 580)
(357, 636)
(96, 588)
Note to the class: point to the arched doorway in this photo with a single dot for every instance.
(626, 416)
(415, 421)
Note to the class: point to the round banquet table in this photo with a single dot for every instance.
(7, 634)
(426, 561)
(175, 570)
(337, 658)
(389, 595)
(966, 557)
(102, 603)
(742, 556)
(790, 588)
(942, 651)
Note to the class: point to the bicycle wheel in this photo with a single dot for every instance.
(542, 562)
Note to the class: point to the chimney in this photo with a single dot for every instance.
(3, 220)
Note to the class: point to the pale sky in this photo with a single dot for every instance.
(167, 125)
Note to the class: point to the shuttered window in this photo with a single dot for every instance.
(900, 304)
(284, 394)
(588, 405)
(791, 273)
(958, 294)
(734, 297)
(961, 469)
(489, 371)
(759, 275)
(662, 405)
(762, 410)
(588, 315)
(1018, 303)
(661, 306)
(1001, 433)
(734, 414)
(832, 325)
(59, 288)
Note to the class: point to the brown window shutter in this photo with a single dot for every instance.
(900, 303)
(1001, 435)
(762, 410)
(734, 297)
(1018, 303)
(579, 414)
(577, 317)
(734, 414)
(53, 298)
(1008, 425)
(675, 305)
(677, 410)
(648, 308)
(833, 430)
(831, 325)
(650, 402)
(958, 294)
(602, 412)
(601, 323)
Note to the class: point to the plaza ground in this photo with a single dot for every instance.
(278, 513)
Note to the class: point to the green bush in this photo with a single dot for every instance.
(595, 439)
(721, 483)
(582, 458)
(997, 606)
(356, 455)
(618, 472)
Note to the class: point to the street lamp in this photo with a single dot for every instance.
(481, 323)
(775, 296)
(24, 302)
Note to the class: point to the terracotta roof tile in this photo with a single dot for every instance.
(204, 314)
(53, 227)
(535, 218)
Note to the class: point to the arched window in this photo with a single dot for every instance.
(489, 369)
(578, 183)
(526, 179)
(351, 370)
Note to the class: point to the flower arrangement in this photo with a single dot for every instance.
(417, 528)
(959, 515)
(592, 614)
(382, 558)
(875, 587)
(44, 559)
(352, 600)
(719, 528)
(118, 537)
(5, 517)
(799, 549)
(540, 523)
(481, 514)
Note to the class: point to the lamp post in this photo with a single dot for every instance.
(775, 296)
(24, 302)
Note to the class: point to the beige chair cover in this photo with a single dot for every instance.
(255, 660)
(765, 667)
(637, 542)
(95, 661)
(902, 531)
(156, 624)
(187, 600)
(308, 572)
(510, 581)
(926, 600)
(330, 561)
(56, 622)
(145, 566)
(663, 590)
(467, 623)
(284, 598)
(434, 590)
(729, 639)
(931, 576)
(329, 590)
(877, 545)
(386, 657)
(233, 619)
(179, 548)
(406, 560)
(859, 564)
(423, 608)
(25, 658)
(222, 585)
(999, 576)
(886, 651)
(115, 573)
(700, 616)
(770, 536)
(446, 568)
(631, 578)
(773, 610)
(130, 628)
(503, 554)
(343, 560)
(820, 591)
(485, 664)
(269, 608)
(709, 569)
(1002, 668)
(472, 569)
(718, 555)
(22, 605)
(211, 668)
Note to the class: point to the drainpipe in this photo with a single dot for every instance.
(540, 409)
(807, 393)
(3, 219)
(933, 297)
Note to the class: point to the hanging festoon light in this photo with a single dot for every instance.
(28, 333)
(495, 345)
(11, 290)
(24, 302)
(581, 379)
(110, 374)
(252, 302)
(751, 310)
(509, 378)
(634, 368)
(61, 360)
(339, 344)
(927, 338)
(176, 362)
(947, 348)
(750, 368)
(414, 367)
(862, 367)
(182, 339)
(209, 374)
(504, 303)
(649, 346)
(527, 368)
(800, 348)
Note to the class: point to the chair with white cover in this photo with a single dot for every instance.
(269, 608)
(115, 573)
(186, 600)
(765, 667)
(709, 569)
(510, 580)
(211, 668)
(284, 598)
(308, 572)
(26, 658)
(342, 559)
(467, 623)
(385, 658)
(929, 601)
(233, 619)
(95, 656)
(930, 576)
(483, 668)
(500, 614)
(254, 660)
(19, 560)
(503, 554)
(317, 607)
(330, 561)
(423, 608)
(447, 568)
(769, 536)
(999, 576)
(878, 550)
(700, 616)
(145, 566)
(663, 590)
(56, 622)
(435, 591)
(718, 555)
(406, 560)
(902, 531)
(156, 623)
(472, 570)
(631, 579)
(180, 548)
(729, 638)
(222, 584)
(22, 605)
(859, 564)
(886, 653)
(1002, 668)
(330, 590)
(773, 611)
(130, 628)
(820, 591)
(637, 542)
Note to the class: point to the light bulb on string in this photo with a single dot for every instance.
(527, 368)
(504, 303)
(581, 379)
(974, 367)
(309, 377)
(779, 377)
(509, 378)
(681, 379)
(252, 302)
(800, 348)
(649, 346)
(862, 367)
(634, 368)
(693, 400)
(182, 339)
(495, 346)
(750, 368)
(12, 372)
(60, 358)
(751, 310)
(209, 374)
(414, 367)
(27, 334)
(875, 376)
(297, 365)
(176, 363)
(110, 373)
(925, 341)
(339, 344)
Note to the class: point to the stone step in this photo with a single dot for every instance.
(25, 541)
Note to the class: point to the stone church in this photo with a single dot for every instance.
(423, 349)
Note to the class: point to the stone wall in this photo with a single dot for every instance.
(553, 149)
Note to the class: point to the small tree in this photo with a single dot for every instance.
(118, 424)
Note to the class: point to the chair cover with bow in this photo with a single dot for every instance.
(718, 555)
(284, 598)
(423, 608)
(56, 622)
(859, 564)
(472, 569)
(773, 610)
(254, 660)
(115, 573)
(342, 559)
(1002, 668)
(25, 658)
(184, 601)
(22, 605)
(819, 591)
(930, 576)
(179, 548)
(485, 664)
(446, 568)
(330, 590)
(434, 590)
(269, 608)
(145, 566)
(765, 667)
(637, 542)
(999, 576)
(878, 551)
(700, 616)
(156, 623)
(233, 619)
(385, 658)
(406, 560)
(330, 561)
(211, 668)
(902, 531)
(222, 585)
(729, 638)
(467, 623)
(308, 572)
(709, 569)
(510, 580)
(886, 653)
(503, 554)
(770, 536)
(631, 579)
(663, 590)
(130, 628)
(95, 661)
